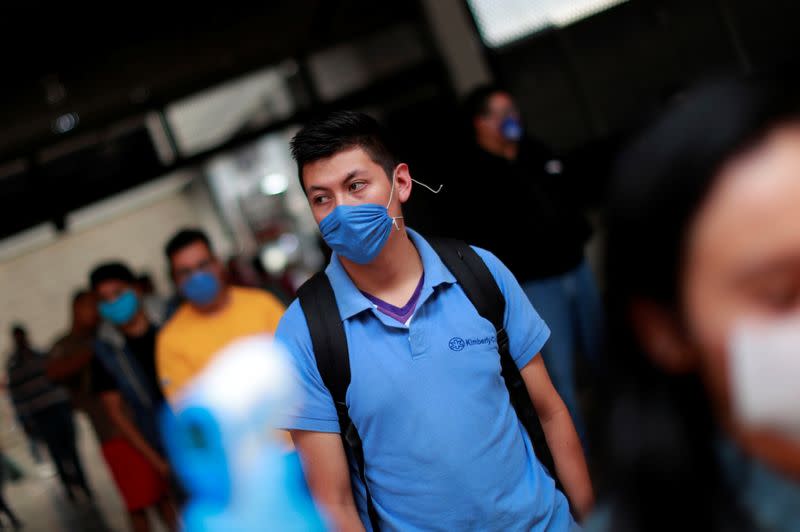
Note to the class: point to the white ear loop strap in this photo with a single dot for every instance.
(429, 188)
(394, 218)
(391, 194)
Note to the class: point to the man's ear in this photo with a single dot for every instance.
(402, 182)
(659, 332)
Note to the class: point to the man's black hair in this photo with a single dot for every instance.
(476, 103)
(340, 131)
(80, 294)
(18, 329)
(109, 271)
(183, 238)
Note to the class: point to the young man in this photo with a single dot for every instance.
(71, 359)
(442, 444)
(213, 315)
(74, 364)
(530, 198)
(45, 409)
(127, 385)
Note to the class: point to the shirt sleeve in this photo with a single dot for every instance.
(527, 331)
(316, 411)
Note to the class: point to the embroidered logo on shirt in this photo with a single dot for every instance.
(458, 344)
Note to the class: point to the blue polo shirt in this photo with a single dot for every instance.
(443, 447)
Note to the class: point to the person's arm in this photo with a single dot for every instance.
(562, 439)
(116, 410)
(328, 476)
(60, 368)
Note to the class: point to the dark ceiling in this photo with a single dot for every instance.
(108, 63)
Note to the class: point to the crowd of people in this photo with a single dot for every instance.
(438, 376)
(126, 355)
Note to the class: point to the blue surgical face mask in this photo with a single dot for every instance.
(511, 128)
(359, 232)
(201, 288)
(121, 310)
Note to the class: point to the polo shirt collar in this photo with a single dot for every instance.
(351, 301)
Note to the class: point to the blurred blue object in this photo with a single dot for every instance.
(511, 128)
(221, 445)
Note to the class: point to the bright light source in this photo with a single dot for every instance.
(65, 122)
(274, 184)
(289, 243)
(503, 21)
(274, 259)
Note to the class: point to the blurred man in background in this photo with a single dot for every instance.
(532, 221)
(5, 509)
(126, 382)
(71, 358)
(46, 407)
(73, 364)
(213, 314)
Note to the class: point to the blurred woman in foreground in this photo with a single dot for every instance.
(704, 285)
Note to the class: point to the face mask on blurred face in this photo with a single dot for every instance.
(121, 310)
(511, 128)
(765, 375)
(201, 288)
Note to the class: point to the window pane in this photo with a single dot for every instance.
(503, 21)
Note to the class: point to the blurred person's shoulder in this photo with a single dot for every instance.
(255, 298)
(63, 346)
(182, 326)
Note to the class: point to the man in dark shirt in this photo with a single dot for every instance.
(531, 218)
(125, 379)
(74, 364)
(71, 361)
(46, 407)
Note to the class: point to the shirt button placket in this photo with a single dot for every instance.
(416, 341)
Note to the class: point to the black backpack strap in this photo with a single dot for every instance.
(333, 361)
(482, 290)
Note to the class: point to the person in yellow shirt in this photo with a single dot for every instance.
(213, 315)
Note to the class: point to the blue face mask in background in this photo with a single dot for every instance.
(511, 128)
(121, 310)
(201, 288)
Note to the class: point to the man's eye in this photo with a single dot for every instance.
(356, 186)
(319, 200)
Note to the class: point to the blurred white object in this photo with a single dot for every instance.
(765, 375)
(248, 382)
(223, 446)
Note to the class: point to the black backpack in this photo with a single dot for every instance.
(333, 360)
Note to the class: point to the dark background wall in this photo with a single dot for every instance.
(582, 89)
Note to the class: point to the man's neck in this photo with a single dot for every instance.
(392, 273)
(137, 327)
